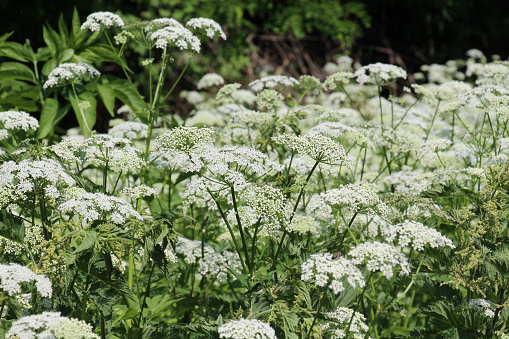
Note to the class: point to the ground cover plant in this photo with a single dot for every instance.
(351, 207)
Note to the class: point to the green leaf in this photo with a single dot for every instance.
(125, 93)
(15, 51)
(62, 29)
(16, 70)
(107, 94)
(86, 117)
(88, 242)
(130, 313)
(43, 54)
(51, 114)
(67, 55)
(51, 39)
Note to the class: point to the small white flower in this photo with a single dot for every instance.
(379, 74)
(105, 19)
(177, 36)
(209, 26)
(272, 81)
(246, 329)
(129, 130)
(68, 73)
(14, 120)
(486, 307)
(332, 273)
(210, 80)
(380, 257)
(344, 320)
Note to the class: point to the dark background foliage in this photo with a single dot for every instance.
(410, 33)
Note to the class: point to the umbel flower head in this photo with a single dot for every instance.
(379, 74)
(69, 73)
(177, 36)
(50, 325)
(98, 20)
(315, 146)
(12, 277)
(380, 257)
(332, 273)
(246, 329)
(341, 321)
(14, 120)
(186, 139)
(208, 26)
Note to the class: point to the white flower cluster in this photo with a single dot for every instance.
(416, 234)
(315, 146)
(380, 257)
(186, 139)
(192, 250)
(246, 160)
(379, 74)
(12, 277)
(162, 22)
(117, 153)
(486, 307)
(338, 79)
(170, 255)
(139, 191)
(68, 73)
(304, 224)
(352, 197)
(50, 325)
(219, 265)
(129, 130)
(209, 26)
(272, 81)
(332, 273)
(177, 36)
(269, 99)
(434, 145)
(246, 329)
(96, 206)
(269, 203)
(210, 80)
(105, 19)
(342, 322)
(28, 175)
(14, 120)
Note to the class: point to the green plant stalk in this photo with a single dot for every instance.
(381, 110)
(180, 76)
(317, 311)
(253, 248)
(342, 86)
(153, 113)
(359, 300)
(285, 232)
(88, 131)
(428, 132)
(229, 229)
(373, 313)
(241, 230)
(347, 230)
(147, 292)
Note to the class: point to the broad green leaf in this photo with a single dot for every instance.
(62, 29)
(19, 94)
(107, 94)
(86, 116)
(67, 55)
(51, 39)
(43, 54)
(125, 93)
(50, 65)
(75, 25)
(51, 114)
(15, 51)
(16, 70)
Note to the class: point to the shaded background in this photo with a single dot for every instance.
(299, 36)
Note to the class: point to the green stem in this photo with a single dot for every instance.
(241, 230)
(85, 122)
(291, 218)
(147, 292)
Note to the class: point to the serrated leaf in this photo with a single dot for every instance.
(62, 29)
(88, 241)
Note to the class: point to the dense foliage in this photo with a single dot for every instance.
(291, 208)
